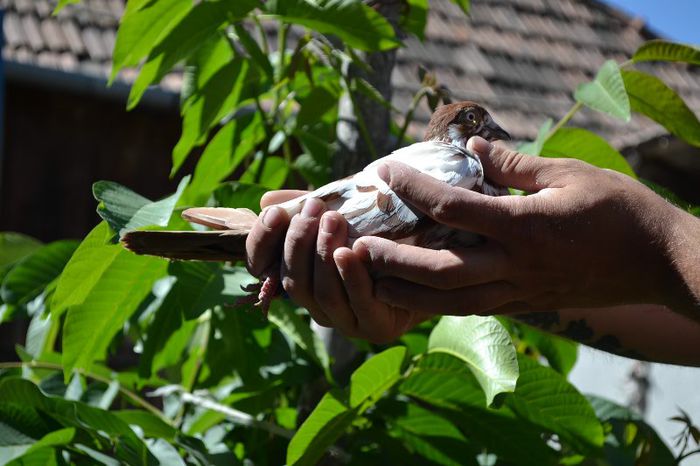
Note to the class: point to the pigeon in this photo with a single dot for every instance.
(370, 207)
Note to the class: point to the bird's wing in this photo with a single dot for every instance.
(372, 208)
(188, 245)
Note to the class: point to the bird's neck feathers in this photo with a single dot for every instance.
(451, 134)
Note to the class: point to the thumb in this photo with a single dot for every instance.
(507, 167)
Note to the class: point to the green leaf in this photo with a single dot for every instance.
(231, 84)
(107, 303)
(142, 25)
(662, 50)
(606, 93)
(84, 269)
(376, 375)
(15, 246)
(484, 345)
(560, 352)
(443, 380)
(39, 457)
(202, 21)
(151, 425)
(235, 194)
(463, 4)
(535, 147)
(581, 144)
(650, 96)
(235, 141)
(256, 54)
(415, 17)
(322, 428)
(274, 172)
(355, 23)
(283, 315)
(126, 210)
(53, 439)
(62, 4)
(33, 273)
(545, 398)
(433, 437)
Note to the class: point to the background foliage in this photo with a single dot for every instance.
(135, 360)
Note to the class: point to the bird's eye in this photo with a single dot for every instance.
(471, 116)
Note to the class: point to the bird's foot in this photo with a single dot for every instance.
(261, 293)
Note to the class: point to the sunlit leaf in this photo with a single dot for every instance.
(273, 174)
(650, 96)
(535, 147)
(185, 37)
(582, 144)
(126, 210)
(606, 93)
(484, 345)
(376, 375)
(355, 23)
(415, 17)
(322, 428)
(142, 24)
(662, 50)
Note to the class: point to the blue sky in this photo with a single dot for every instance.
(676, 19)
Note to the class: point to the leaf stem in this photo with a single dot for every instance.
(565, 119)
(409, 115)
(263, 35)
(685, 455)
(137, 400)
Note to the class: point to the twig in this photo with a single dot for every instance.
(685, 455)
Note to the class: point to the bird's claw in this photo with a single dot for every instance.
(261, 293)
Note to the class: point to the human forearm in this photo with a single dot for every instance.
(643, 331)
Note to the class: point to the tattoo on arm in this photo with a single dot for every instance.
(580, 331)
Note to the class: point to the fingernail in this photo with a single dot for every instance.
(271, 217)
(329, 224)
(312, 208)
(384, 172)
(479, 146)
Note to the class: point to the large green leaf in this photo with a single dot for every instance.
(484, 345)
(662, 50)
(322, 428)
(235, 194)
(228, 148)
(415, 17)
(229, 85)
(273, 175)
(142, 24)
(606, 93)
(126, 210)
(560, 352)
(33, 273)
(106, 304)
(355, 23)
(443, 380)
(26, 401)
(433, 437)
(546, 399)
(584, 145)
(376, 375)
(36, 457)
(650, 96)
(283, 315)
(84, 269)
(185, 38)
(14, 246)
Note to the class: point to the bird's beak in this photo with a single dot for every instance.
(493, 132)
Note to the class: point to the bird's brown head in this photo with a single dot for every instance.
(458, 122)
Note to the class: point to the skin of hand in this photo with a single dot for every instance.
(586, 237)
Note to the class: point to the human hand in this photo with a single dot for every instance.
(318, 272)
(586, 238)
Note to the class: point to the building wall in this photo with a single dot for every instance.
(57, 143)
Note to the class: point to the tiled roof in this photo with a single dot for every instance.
(520, 58)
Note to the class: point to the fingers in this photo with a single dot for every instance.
(440, 269)
(478, 299)
(328, 290)
(264, 242)
(510, 168)
(299, 251)
(277, 197)
(452, 206)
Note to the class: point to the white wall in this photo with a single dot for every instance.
(606, 375)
